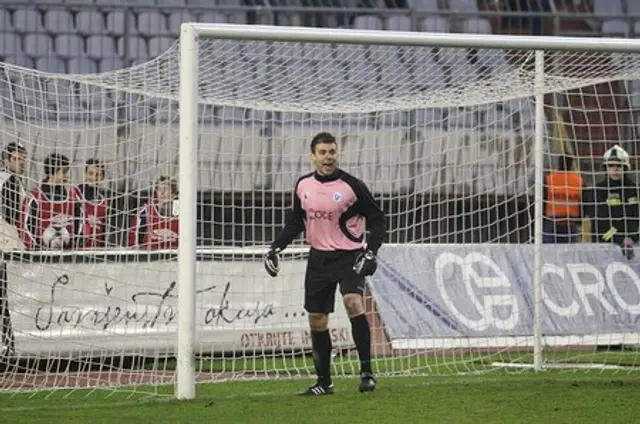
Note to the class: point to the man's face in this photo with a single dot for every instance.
(93, 175)
(61, 176)
(163, 192)
(16, 162)
(614, 172)
(325, 158)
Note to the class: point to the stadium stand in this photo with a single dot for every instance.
(87, 36)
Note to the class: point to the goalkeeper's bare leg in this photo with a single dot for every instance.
(361, 333)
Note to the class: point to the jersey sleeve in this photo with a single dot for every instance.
(366, 206)
(29, 222)
(632, 214)
(294, 223)
(11, 201)
(138, 228)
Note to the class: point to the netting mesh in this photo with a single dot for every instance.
(443, 138)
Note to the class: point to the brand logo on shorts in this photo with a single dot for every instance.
(337, 197)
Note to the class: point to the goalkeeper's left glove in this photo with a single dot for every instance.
(627, 249)
(272, 262)
(366, 263)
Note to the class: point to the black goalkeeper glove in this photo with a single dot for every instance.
(272, 262)
(366, 263)
(628, 252)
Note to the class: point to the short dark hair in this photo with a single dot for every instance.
(95, 163)
(323, 137)
(12, 148)
(55, 162)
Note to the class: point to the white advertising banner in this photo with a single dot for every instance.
(95, 308)
(447, 296)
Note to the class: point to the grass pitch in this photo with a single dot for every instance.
(493, 396)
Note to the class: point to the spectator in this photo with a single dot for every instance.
(155, 225)
(562, 196)
(14, 158)
(95, 206)
(611, 207)
(50, 215)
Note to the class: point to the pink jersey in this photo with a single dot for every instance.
(333, 210)
(325, 203)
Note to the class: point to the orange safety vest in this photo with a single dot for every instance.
(564, 193)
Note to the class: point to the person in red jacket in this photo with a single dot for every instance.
(95, 206)
(155, 225)
(50, 215)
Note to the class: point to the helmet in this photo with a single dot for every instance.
(616, 156)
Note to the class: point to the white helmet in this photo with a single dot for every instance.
(616, 156)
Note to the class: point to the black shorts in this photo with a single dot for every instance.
(325, 270)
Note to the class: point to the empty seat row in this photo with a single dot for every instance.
(118, 22)
(94, 46)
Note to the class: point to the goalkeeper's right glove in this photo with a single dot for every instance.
(272, 262)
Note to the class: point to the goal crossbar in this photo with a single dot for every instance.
(407, 38)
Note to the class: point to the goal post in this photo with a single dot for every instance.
(191, 61)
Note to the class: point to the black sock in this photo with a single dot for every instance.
(362, 337)
(321, 344)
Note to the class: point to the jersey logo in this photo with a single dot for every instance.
(305, 195)
(337, 196)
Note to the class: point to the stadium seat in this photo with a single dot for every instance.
(159, 45)
(212, 18)
(5, 21)
(367, 22)
(152, 24)
(27, 21)
(111, 63)
(118, 20)
(463, 5)
(394, 71)
(350, 52)
(362, 73)
(20, 60)
(176, 18)
(430, 5)
(133, 47)
(59, 22)
(612, 7)
(428, 74)
(429, 117)
(615, 28)
(50, 64)
(69, 46)
(171, 3)
(399, 23)
(38, 45)
(477, 26)
(82, 65)
(434, 24)
(10, 45)
(89, 22)
(99, 46)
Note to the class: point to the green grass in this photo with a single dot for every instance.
(495, 396)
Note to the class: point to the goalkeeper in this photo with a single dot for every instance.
(330, 205)
(610, 208)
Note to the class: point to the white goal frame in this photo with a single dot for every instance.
(189, 36)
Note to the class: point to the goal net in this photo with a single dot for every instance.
(444, 138)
